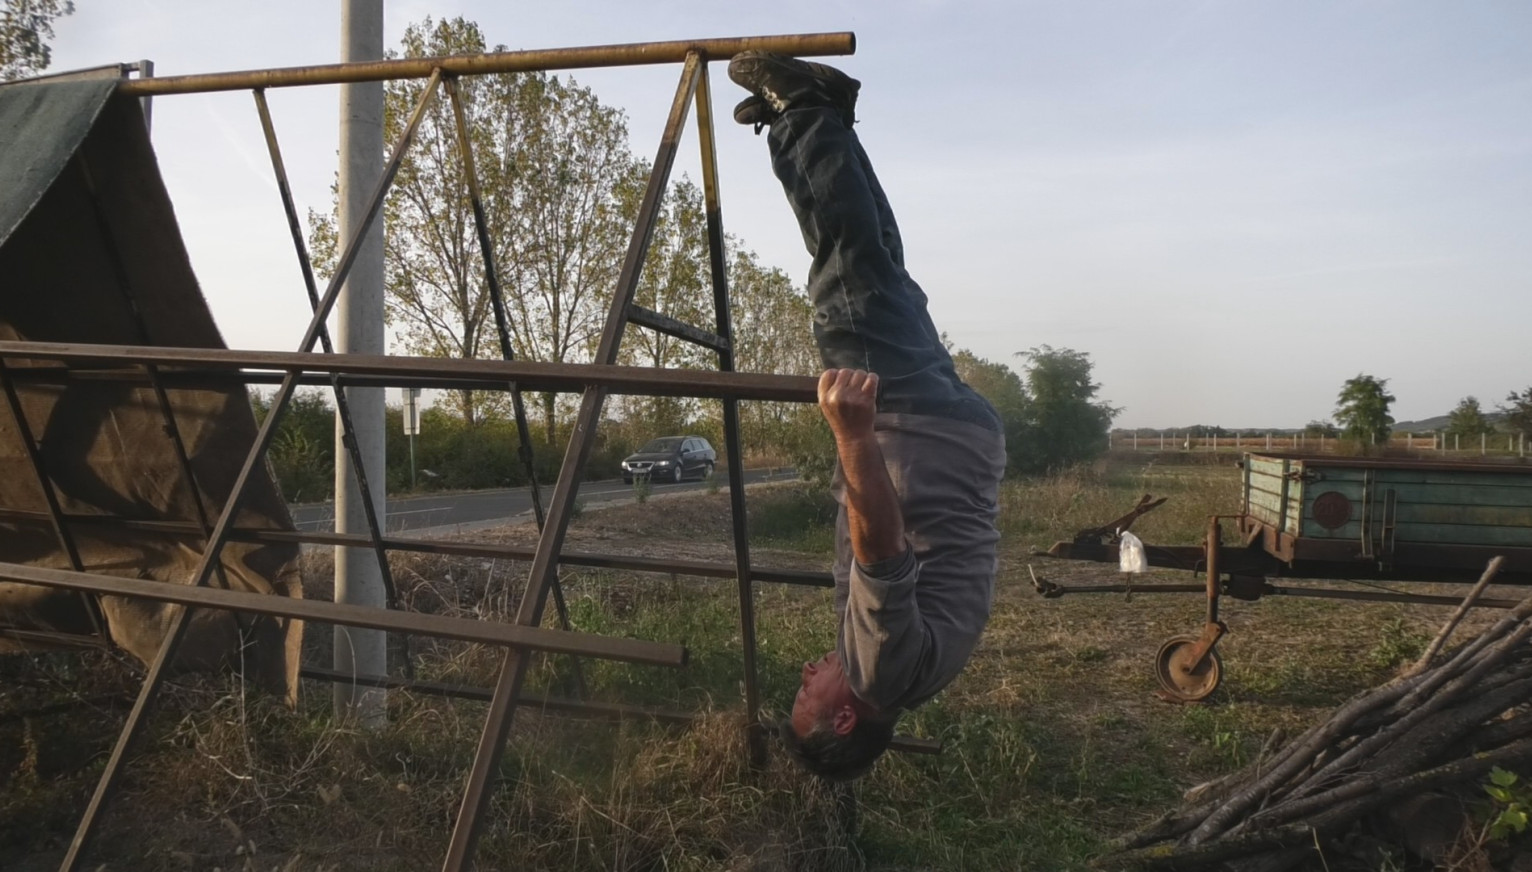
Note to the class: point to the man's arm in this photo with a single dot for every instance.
(848, 399)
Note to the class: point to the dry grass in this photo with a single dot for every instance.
(1054, 740)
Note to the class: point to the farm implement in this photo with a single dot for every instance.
(1307, 518)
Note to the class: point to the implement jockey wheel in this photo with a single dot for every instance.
(1188, 667)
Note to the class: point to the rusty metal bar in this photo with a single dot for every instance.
(177, 625)
(439, 626)
(503, 331)
(531, 375)
(1379, 596)
(583, 708)
(679, 329)
(50, 495)
(342, 406)
(631, 54)
(718, 270)
(545, 564)
(492, 551)
(141, 328)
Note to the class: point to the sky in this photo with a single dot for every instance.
(1232, 207)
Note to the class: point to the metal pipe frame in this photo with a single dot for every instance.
(342, 405)
(492, 551)
(513, 670)
(177, 626)
(55, 512)
(435, 372)
(503, 332)
(724, 328)
(625, 55)
(392, 620)
(221, 367)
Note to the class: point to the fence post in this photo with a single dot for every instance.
(1483, 444)
(1162, 440)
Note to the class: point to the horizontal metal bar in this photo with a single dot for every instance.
(679, 329)
(527, 375)
(584, 708)
(1054, 590)
(1385, 597)
(53, 637)
(632, 54)
(441, 626)
(633, 563)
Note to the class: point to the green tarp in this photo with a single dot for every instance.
(90, 252)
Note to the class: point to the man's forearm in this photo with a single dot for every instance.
(872, 504)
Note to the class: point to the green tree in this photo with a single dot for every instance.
(302, 453)
(1468, 420)
(1065, 423)
(1005, 391)
(771, 318)
(676, 281)
(1517, 410)
(1321, 427)
(1362, 409)
(26, 26)
(557, 182)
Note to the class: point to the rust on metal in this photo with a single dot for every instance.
(631, 54)
(531, 375)
(1332, 510)
(440, 626)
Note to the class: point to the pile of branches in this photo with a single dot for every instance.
(1445, 722)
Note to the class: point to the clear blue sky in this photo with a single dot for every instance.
(1231, 206)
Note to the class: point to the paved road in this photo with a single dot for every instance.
(488, 506)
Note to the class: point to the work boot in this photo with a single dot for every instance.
(782, 83)
(753, 110)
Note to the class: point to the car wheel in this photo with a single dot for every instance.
(707, 470)
(680, 474)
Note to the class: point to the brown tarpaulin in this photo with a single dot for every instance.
(88, 237)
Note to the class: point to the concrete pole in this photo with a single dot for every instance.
(360, 320)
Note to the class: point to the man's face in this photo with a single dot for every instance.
(823, 692)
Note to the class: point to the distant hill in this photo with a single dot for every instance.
(1440, 422)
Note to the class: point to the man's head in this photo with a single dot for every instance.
(832, 733)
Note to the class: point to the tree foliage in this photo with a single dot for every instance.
(1362, 409)
(1323, 428)
(26, 26)
(1517, 409)
(1468, 420)
(1050, 413)
(1066, 424)
(1006, 391)
(558, 186)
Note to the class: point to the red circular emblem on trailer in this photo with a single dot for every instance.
(1332, 510)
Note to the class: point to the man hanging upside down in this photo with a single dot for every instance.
(921, 454)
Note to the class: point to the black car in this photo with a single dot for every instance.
(670, 458)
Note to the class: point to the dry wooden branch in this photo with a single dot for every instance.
(1446, 720)
(1445, 633)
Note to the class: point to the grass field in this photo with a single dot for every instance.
(1054, 740)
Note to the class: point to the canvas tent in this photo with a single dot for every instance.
(90, 253)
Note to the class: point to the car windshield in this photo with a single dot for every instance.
(661, 446)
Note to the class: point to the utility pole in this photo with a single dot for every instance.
(360, 318)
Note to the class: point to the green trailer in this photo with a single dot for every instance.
(1339, 518)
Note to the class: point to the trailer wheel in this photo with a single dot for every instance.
(1183, 679)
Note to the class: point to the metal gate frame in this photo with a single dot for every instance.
(595, 381)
